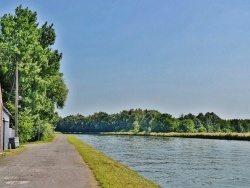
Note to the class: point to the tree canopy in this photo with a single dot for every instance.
(147, 121)
(41, 85)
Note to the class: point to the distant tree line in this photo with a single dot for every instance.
(150, 121)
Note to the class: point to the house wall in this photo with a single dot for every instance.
(8, 132)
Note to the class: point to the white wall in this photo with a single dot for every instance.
(8, 132)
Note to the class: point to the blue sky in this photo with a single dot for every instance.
(172, 56)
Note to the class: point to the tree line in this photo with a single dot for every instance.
(41, 86)
(138, 120)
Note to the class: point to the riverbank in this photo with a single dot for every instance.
(108, 172)
(222, 136)
(179, 162)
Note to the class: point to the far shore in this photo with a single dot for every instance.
(221, 136)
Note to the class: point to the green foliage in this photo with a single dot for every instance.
(42, 88)
(202, 129)
(186, 126)
(147, 121)
(26, 129)
(136, 126)
(47, 131)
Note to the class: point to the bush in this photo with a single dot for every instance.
(47, 131)
(26, 132)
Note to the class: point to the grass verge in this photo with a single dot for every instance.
(16, 151)
(108, 172)
(40, 141)
(223, 136)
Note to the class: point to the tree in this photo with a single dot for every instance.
(147, 121)
(41, 84)
(187, 126)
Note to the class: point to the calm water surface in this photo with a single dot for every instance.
(180, 162)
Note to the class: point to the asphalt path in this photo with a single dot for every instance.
(47, 165)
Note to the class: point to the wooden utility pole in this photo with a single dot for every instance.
(16, 102)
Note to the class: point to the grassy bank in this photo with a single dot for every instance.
(16, 151)
(224, 136)
(40, 141)
(108, 172)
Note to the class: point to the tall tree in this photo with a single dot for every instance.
(42, 88)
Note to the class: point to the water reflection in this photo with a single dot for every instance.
(180, 162)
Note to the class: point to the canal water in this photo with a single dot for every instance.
(180, 162)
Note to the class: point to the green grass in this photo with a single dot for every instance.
(108, 172)
(40, 141)
(16, 151)
(224, 136)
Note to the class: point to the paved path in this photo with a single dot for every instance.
(49, 165)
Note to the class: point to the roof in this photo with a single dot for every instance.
(6, 111)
